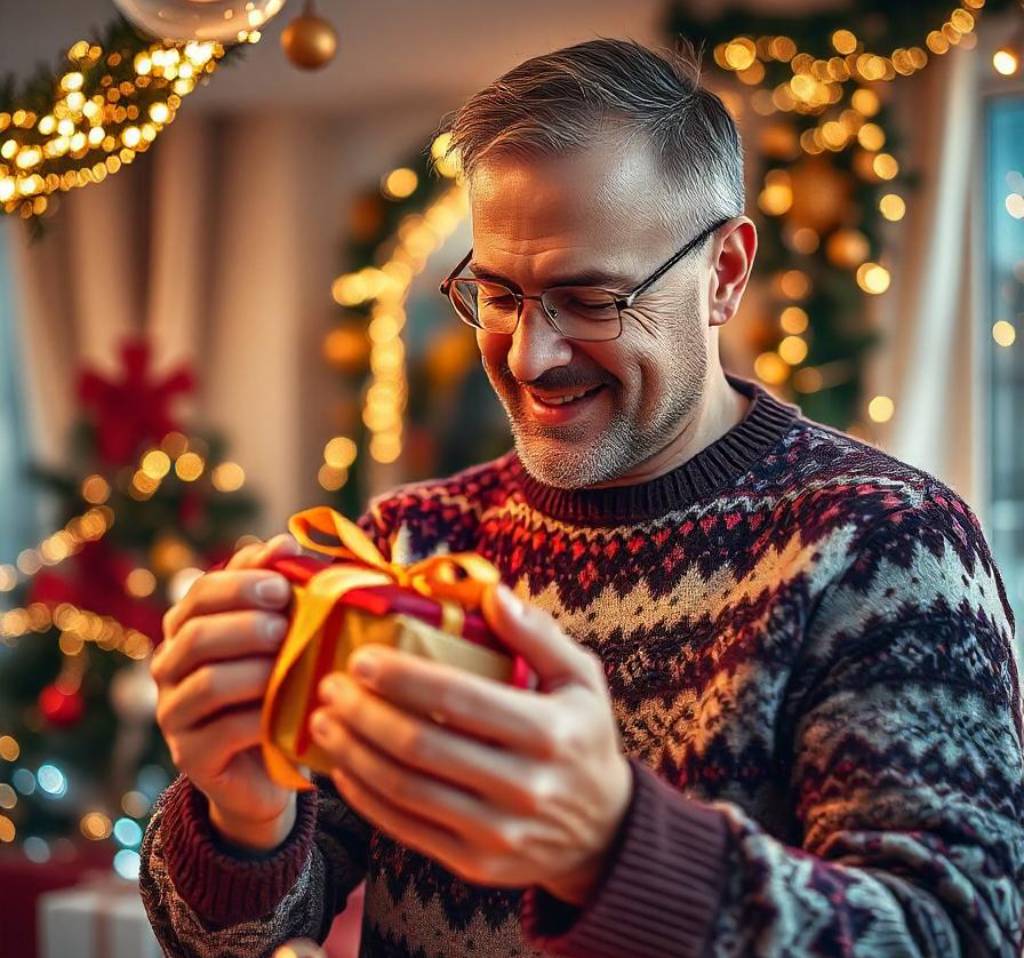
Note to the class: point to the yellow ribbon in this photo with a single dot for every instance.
(437, 577)
(457, 581)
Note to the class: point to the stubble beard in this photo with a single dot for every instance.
(569, 457)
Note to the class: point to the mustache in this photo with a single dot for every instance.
(559, 378)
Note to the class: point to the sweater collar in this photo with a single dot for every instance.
(714, 467)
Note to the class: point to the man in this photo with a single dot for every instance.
(779, 710)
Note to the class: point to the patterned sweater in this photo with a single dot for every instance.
(810, 656)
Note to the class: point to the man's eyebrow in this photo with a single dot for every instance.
(585, 278)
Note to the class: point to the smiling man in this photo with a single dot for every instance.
(778, 710)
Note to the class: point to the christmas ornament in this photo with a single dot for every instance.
(848, 248)
(309, 41)
(59, 707)
(227, 21)
(133, 694)
(131, 409)
(821, 195)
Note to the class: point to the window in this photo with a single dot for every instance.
(1005, 340)
(17, 501)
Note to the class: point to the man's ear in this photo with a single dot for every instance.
(732, 263)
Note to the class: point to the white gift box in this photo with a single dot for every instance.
(98, 920)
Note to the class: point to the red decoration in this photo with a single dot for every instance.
(94, 580)
(59, 707)
(132, 410)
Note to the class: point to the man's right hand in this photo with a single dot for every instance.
(211, 670)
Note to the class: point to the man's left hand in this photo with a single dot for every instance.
(502, 786)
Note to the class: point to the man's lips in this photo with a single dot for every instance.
(562, 406)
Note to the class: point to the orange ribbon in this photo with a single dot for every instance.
(457, 581)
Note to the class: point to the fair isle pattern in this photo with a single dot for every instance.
(818, 650)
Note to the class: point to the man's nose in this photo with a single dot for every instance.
(536, 345)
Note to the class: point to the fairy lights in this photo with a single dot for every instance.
(110, 104)
(77, 627)
(385, 289)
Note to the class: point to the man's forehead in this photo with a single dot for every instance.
(584, 187)
(589, 209)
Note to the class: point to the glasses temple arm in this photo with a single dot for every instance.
(666, 266)
(446, 285)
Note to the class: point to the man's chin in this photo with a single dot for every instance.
(559, 463)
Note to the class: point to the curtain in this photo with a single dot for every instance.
(930, 361)
(19, 522)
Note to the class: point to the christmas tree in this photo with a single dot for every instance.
(144, 509)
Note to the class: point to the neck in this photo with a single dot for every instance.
(711, 456)
(721, 409)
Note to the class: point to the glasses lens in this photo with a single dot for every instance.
(489, 306)
(580, 312)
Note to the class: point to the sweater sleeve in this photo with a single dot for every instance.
(902, 730)
(207, 899)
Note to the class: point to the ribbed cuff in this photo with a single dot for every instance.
(660, 892)
(223, 888)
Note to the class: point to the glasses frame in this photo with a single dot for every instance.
(621, 302)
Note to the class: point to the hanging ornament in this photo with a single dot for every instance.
(309, 41)
(822, 195)
(133, 694)
(133, 697)
(226, 21)
(59, 707)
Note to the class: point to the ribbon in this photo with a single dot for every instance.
(456, 581)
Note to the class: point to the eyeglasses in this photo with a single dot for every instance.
(586, 313)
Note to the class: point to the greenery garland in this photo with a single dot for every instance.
(832, 178)
(106, 102)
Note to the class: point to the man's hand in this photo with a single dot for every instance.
(500, 785)
(211, 671)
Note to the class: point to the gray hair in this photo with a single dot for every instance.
(560, 102)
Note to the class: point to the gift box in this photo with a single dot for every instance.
(24, 882)
(101, 919)
(429, 609)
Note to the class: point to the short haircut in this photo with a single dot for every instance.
(560, 102)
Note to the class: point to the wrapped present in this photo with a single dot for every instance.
(429, 608)
(100, 919)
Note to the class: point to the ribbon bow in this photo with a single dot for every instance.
(457, 582)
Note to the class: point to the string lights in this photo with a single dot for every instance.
(176, 451)
(385, 289)
(90, 526)
(832, 179)
(108, 104)
(817, 81)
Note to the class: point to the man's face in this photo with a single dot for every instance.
(543, 223)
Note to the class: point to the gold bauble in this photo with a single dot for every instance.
(821, 195)
(170, 554)
(847, 248)
(309, 41)
(347, 348)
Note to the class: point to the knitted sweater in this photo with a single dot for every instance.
(810, 657)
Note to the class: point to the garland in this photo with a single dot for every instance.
(108, 101)
(394, 228)
(832, 180)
